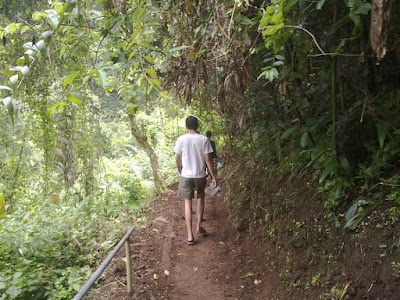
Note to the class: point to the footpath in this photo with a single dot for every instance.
(221, 265)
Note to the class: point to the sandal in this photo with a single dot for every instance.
(189, 242)
(201, 231)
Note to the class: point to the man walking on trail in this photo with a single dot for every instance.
(192, 154)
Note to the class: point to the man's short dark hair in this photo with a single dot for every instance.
(208, 134)
(192, 123)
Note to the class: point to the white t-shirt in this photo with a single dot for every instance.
(192, 148)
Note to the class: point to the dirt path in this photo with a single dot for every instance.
(222, 265)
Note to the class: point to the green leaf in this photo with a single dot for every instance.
(156, 83)
(163, 94)
(6, 101)
(102, 77)
(75, 100)
(383, 129)
(12, 28)
(178, 48)
(363, 9)
(151, 72)
(53, 108)
(358, 26)
(287, 133)
(21, 61)
(344, 162)
(38, 16)
(328, 171)
(41, 46)
(63, 49)
(278, 63)
(149, 59)
(10, 107)
(52, 18)
(273, 29)
(277, 18)
(320, 4)
(14, 291)
(17, 275)
(69, 79)
(351, 212)
(304, 140)
(24, 69)
(265, 19)
(354, 221)
(277, 46)
(47, 35)
(243, 20)
(24, 29)
(2, 214)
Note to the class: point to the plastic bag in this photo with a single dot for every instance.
(214, 190)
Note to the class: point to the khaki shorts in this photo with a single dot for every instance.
(188, 185)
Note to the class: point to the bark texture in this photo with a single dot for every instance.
(142, 140)
(380, 18)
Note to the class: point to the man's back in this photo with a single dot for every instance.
(193, 147)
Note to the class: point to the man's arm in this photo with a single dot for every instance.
(211, 169)
(179, 163)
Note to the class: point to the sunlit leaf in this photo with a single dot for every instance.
(21, 61)
(69, 79)
(151, 72)
(74, 99)
(149, 59)
(12, 28)
(6, 88)
(24, 29)
(10, 107)
(53, 108)
(156, 83)
(14, 80)
(277, 18)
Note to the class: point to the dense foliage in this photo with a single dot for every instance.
(302, 88)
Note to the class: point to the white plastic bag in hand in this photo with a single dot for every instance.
(213, 190)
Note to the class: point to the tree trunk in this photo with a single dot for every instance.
(142, 140)
(380, 18)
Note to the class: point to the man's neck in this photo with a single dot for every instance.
(192, 131)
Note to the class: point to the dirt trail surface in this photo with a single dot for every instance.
(221, 265)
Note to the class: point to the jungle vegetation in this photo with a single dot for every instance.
(93, 94)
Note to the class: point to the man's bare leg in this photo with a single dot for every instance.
(200, 212)
(188, 219)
